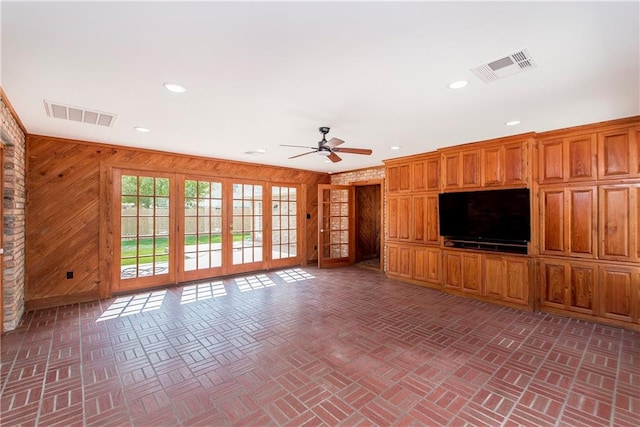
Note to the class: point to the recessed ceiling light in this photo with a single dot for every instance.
(141, 129)
(395, 147)
(174, 87)
(513, 123)
(327, 161)
(458, 84)
(261, 150)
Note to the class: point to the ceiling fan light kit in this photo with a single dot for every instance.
(329, 148)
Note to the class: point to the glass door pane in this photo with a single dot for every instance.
(335, 222)
(145, 228)
(202, 225)
(284, 214)
(246, 223)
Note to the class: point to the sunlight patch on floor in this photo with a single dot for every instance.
(202, 291)
(250, 283)
(133, 304)
(294, 275)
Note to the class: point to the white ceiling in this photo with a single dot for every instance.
(263, 74)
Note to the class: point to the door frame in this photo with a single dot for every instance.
(380, 183)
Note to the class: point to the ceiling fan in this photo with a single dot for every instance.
(329, 148)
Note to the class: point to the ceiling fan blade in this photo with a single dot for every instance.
(334, 157)
(298, 146)
(354, 150)
(303, 154)
(334, 142)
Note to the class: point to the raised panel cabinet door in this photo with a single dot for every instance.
(451, 170)
(494, 276)
(617, 154)
(404, 261)
(426, 264)
(615, 292)
(393, 179)
(432, 227)
(551, 161)
(582, 288)
(405, 177)
(452, 270)
(581, 221)
(493, 166)
(471, 168)
(581, 158)
(552, 221)
(433, 173)
(419, 223)
(419, 175)
(516, 279)
(615, 222)
(404, 217)
(393, 259)
(553, 283)
(433, 265)
(515, 164)
(472, 273)
(392, 218)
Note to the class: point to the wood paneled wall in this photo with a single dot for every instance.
(63, 216)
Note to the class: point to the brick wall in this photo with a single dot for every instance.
(361, 175)
(14, 141)
(357, 176)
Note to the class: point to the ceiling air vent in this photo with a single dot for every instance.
(511, 64)
(79, 114)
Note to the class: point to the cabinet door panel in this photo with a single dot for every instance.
(433, 174)
(582, 288)
(393, 179)
(515, 171)
(471, 169)
(419, 223)
(472, 273)
(404, 261)
(399, 260)
(393, 259)
(553, 284)
(426, 264)
(494, 276)
(419, 175)
(405, 177)
(392, 217)
(492, 166)
(516, 280)
(615, 292)
(551, 160)
(581, 229)
(452, 270)
(617, 154)
(552, 221)
(451, 166)
(581, 154)
(432, 227)
(615, 214)
(404, 217)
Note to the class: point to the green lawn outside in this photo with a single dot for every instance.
(128, 247)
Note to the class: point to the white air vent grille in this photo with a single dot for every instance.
(79, 114)
(511, 64)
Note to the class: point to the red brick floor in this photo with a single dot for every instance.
(314, 347)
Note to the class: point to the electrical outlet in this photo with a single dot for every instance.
(308, 216)
(69, 274)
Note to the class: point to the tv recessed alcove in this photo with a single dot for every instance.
(490, 220)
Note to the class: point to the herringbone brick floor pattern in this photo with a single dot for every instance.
(314, 347)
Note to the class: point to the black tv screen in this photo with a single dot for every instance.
(491, 215)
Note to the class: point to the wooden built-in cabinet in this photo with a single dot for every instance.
(584, 256)
(568, 218)
(568, 159)
(494, 276)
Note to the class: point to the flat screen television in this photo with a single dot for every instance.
(495, 216)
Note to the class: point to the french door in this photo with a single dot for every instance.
(336, 228)
(172, 228)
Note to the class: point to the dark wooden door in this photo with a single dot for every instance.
(368, 222)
